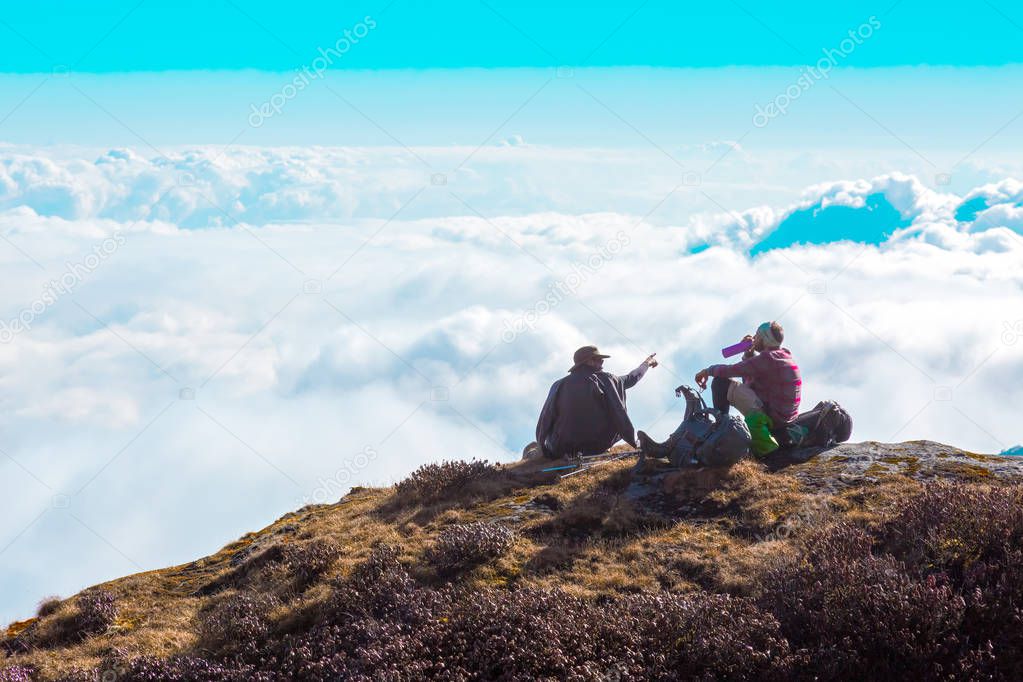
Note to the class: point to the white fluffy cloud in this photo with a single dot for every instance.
(905, 193)
(212, 186)
(197, 383)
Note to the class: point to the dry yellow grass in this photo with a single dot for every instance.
(583, 534)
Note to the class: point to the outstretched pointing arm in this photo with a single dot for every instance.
(632, 378)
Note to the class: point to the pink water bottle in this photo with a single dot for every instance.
(737, 348)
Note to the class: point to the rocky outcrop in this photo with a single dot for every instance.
(672, 492)
(859, 463)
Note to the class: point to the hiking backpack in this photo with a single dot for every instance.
(826, 424)
(707, 436)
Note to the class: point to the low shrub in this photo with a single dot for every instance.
(48, 606)
(97, 611)
(435, 482)
(77, 674)
(17, 673)
(188, 669)
(304, 563)
(527, 634)
(972, 537)
(308, 562)
(703, 635)
(380, 624)
(948, 527)
(236, 622)
(465, 546)
(861, 615)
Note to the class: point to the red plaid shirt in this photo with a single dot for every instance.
(774, 377)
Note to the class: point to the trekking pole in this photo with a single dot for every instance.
(587, 467)
(596, 458)
(587, 460)
(567, 466)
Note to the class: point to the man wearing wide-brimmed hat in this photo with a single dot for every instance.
(585, 411)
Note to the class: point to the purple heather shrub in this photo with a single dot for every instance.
(436, 482)
(236, 622)
(948, 527)
(933, 592)
(862, 615)
(17, 673)
(97, 611)
(464, 546)
(308, 562)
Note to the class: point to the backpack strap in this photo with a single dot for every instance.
(829, 407)
(694, 402)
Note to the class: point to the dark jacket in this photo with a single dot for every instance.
(585, 412)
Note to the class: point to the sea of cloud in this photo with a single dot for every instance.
(198, 342)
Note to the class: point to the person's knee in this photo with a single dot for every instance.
(720, 386)
(745, 399)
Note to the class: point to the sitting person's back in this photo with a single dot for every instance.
(585, 411)
(589, 420)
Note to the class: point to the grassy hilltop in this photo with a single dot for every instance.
(865, 561)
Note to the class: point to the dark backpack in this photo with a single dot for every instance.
(826, 424)
(707, 436)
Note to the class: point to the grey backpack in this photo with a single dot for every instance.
(707, 437)
(825, 425)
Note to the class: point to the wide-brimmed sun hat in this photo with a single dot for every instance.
(584, 354)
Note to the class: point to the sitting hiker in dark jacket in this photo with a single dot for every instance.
(585, 411)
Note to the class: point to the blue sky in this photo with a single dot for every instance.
(108, 35)
(930, 108)
(155, 72)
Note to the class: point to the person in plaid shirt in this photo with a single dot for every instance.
(768, 397)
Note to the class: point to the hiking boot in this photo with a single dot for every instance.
(651, 448)
(532, 451)
(761, 441)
